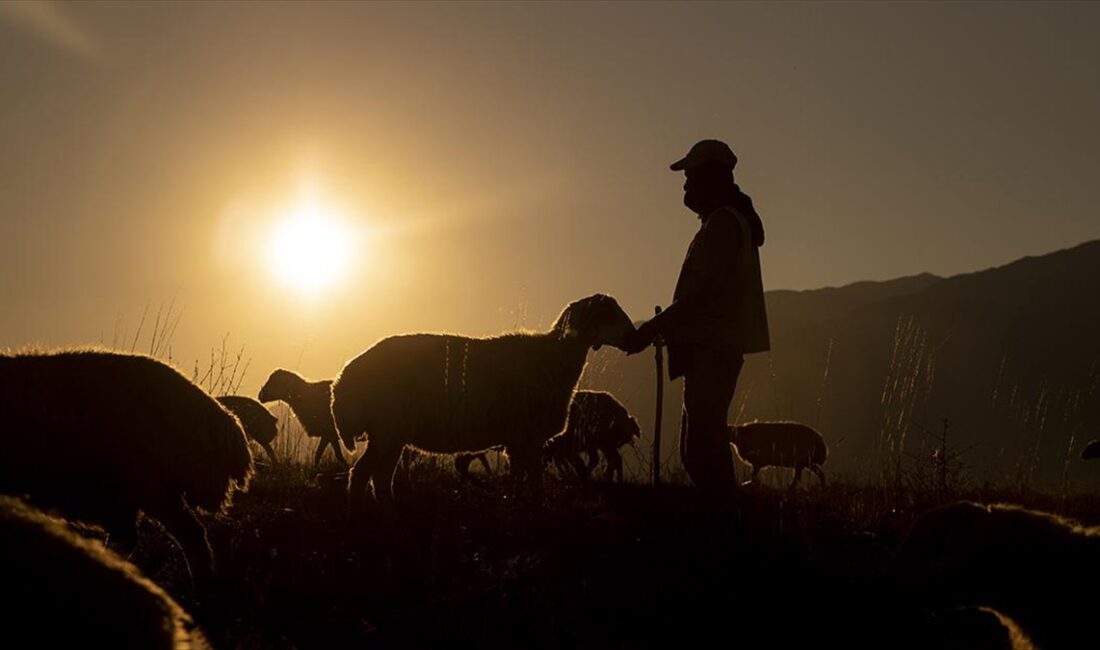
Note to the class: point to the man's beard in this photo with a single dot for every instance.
(695, 201)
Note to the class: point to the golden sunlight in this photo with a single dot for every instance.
(310, 248)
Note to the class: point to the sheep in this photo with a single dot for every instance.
(462, 462)
(780, 444)
(1020, 563)
(258, 422)
(310, 401)
(105, 436)
(597, 422)
(1091, 450)
(445, 393)
(61, 590)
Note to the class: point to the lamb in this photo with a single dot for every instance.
(597, 422)
(446, 394)
(134, 436)
(310, 401)
(1091, 450)
(1015, 561)
(780, 444)
(63, 591)
(258, 422)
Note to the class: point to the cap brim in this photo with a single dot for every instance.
(680, 165)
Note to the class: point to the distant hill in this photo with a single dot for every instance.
(1009, 355)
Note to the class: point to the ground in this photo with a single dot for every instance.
(599, 566)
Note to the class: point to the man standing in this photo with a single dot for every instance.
(717, 314)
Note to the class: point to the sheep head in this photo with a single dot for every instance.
(595, 321)
(279, 386)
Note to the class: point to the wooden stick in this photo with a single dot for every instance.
(658, 345)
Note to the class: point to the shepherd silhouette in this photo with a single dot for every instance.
(717, 314)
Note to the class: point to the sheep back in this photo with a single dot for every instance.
(65, 591)
(258, 422)
(779, 444)
(448, 394)
(98, 432)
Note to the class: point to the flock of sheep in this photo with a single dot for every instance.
(137, 437)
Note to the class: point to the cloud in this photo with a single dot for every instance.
(49, 22)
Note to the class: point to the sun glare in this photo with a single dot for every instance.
(310, 249)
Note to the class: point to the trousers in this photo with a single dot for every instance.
(710, 380)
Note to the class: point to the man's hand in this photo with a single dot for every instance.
(642, 338)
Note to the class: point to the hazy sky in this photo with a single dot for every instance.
(499, 160)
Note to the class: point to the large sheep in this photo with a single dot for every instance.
(447, 394)
(597, 423)
(63, 591)
(258, 422)
(1034, 568)
(103, 436)
(311, 402)
(780, 444)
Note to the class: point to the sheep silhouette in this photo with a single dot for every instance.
(258, 422)
(64, 591)
(597, 423)
(448, 394)
(311, 402)
(103, 436)
(780, 444)
(1017, 562)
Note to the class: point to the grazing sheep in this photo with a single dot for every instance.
(780, 444)
(311, 402)
(103, 436)
(258, 422)
(1091, 450)
(63, 591)
(1032, 567)
(597, 423)
(447, 394)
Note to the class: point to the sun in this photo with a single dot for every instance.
(310, 248)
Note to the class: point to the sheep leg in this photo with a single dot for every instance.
(580, 469)
(755, 475)
(182, 524)
(358, 478)
(593, 462)
(320, 452)
(269, 450)
(816, 469)
(383, 467)
(338, 452)
(614, 464)
(532, 473)
(564, 467)
(484, 463)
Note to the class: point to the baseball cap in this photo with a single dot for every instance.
(706, 151)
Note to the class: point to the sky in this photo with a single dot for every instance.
(489, 163)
